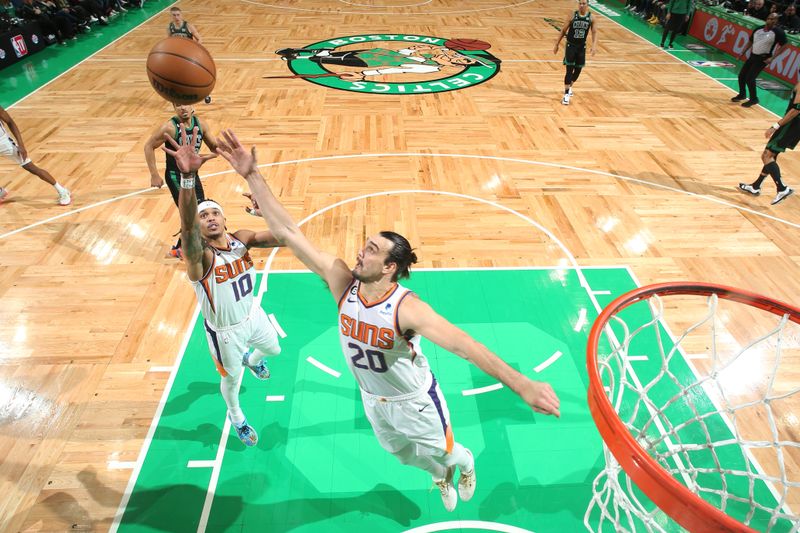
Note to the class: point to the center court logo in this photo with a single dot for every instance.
(393, 63)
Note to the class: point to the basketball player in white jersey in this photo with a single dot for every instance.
(220, 269)
(380, 326)
(13, 147)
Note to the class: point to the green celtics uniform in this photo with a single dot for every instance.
(787, 135)
(172, 175)
(183, 31)
(575, 53)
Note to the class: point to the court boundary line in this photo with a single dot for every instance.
(712, 199)
(87, 58)
(661, 50)
(145, 447)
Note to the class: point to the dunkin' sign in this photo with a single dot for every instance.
(733, 39)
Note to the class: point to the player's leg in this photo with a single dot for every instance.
(770, 158)
(263, 343)
(227, 347)
(10, 149)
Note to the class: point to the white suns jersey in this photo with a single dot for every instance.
(3, 133)
(383, 361)
(225, 292)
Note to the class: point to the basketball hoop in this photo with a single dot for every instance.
(673, 426)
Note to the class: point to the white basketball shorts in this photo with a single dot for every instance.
(229, 345)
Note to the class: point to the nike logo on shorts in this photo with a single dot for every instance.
(420, 410)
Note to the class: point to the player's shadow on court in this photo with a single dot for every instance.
(196, 390)
(177, 507)
(206, 434)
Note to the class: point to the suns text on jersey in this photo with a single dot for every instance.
(227, 271)
(367, 333)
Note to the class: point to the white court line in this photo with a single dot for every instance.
(92, 55)
(604, 293)
(457, 525)
(547, 362)
(322, 367)
(216, 59)
(275, 398)
(707, 198)
(611, 19)
(161, 369)
(581, 320)
(121, 465)
(126, 496)
(481, 390)
(200, 464)
(276, 325)
(425, 13)
(636, 357)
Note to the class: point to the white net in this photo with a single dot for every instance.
(714, 406)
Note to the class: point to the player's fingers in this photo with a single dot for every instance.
(253, 153)
(170, 140)
(228, 140)
(173, 153)
(206, 157)
(236, 142)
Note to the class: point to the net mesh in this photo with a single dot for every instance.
(714, 406)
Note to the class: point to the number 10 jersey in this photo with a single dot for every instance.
(225, 291)
(384, 361)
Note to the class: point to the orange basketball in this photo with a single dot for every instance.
(181, 70)
(467, 44)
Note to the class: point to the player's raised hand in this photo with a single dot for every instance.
(241, 159)
(252, 209)
(185, 157)
(541, 397)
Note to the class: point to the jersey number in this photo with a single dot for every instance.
(580, 34)
(375, 359)
(242, 287)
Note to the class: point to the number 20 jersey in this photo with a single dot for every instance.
(225, 291)
(383, 361)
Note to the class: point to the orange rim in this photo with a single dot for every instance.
(681, 504)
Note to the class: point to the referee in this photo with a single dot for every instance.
(762, 43)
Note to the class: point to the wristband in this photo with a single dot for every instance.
(776, 126)
(187, 181)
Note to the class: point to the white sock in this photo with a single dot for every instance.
(462, 458)
(60, 189)
(229, 387)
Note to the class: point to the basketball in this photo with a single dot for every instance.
(181, 70)
(467, 44)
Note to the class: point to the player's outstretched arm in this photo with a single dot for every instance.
(594, 36)
(195, 34)
(330, 268)
(416, 315)
(150, 147)
(188, 163)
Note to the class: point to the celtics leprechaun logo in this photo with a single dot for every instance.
(393, 63)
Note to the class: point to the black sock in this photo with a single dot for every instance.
(761, 177)
(775, 171)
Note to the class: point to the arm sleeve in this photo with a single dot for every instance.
(780, 36)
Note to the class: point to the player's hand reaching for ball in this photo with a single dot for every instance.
(252, 209)
(186, 158)
(541, 397)
(241, 159)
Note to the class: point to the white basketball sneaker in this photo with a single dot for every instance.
(448, 491)
(565, 100)
(64, 198)
(466, 483)
(3, 194)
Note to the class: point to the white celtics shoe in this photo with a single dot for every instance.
(565, 100)
(447, 490)
(3, 194)
(782, 195)
(64, 198)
